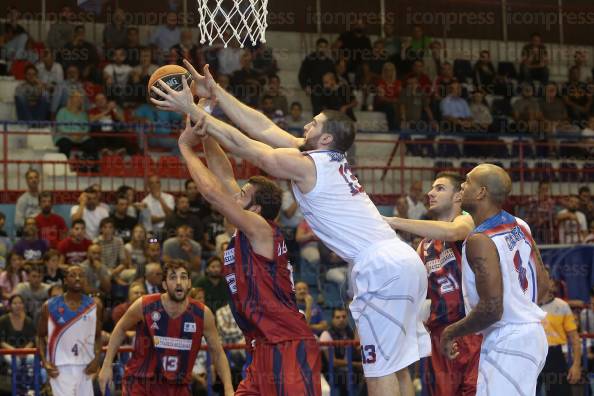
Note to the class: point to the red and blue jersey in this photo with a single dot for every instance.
(444, 268)
(262, 292)
(166, 348)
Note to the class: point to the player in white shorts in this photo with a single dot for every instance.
(388, 277)
(502, 283)
(69, 337)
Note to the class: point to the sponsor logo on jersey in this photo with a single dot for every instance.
(231, 281)
(178, 344)
(229, 256)
(189, 327)
(61, 320)
(155, 326)
(436, 264)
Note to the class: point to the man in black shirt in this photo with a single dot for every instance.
(122, 222)
(337, 97)
(215, 290)
(183, 216)
(198, 204)
(312, 69)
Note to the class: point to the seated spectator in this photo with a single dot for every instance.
(159, 203)
(27, 205)
(308, 244)
(264, 62)
(135, 291)
(229, 58)
(71, 54)
(246, 83)
(337, 97)
(586, 203)
(104, 117)
(336, 268)
(55, 290)
(340, 71)
(50, 72)
(64, 89)
(387, 99)
(53, 275)
(578, 103)
(97, 274)
(198, 205)
(481, 114)
(183, 216)
(5, 242)
(137, 210)
(413, 103)
(378, 58)
(145, 67)
(31, 99)
(275, 115)
(116, 74)
(213, 284)
(159, 124)
(274, 91)
(455, 110)
(153, 278)
(572, 224)
(61, 31)
(214, 225)
(132, 46)
(484, 72)
(166, 36)
(74, 248)
(581, 63)
(224, 238)
(535, 60)
(33, 291)
(340, 330)
(418, 71)
(540, 214)
(52, 227)
(526, 110)
(185, 49)
(89, 210)
(392, 43)
(355, 46)
(553, 109)
(312, 70)
(296, 121)
(75, 135)
(17, 330)
(30, 247)
(313, 313)
(443, 81)
(416, 201)
(183, 247)
(115, 33)
(123, 223)
(14, 37)
(418, 44)
(12, 275)
(113, 254)
(136, 250)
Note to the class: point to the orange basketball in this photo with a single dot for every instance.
(170, 74)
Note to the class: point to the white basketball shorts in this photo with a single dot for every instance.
(72, 381)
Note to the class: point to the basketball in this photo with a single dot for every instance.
(172, 75)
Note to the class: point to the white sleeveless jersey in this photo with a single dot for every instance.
(71, 334)
(513, 240)
(338, 210)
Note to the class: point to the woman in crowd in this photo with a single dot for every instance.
(13, 274)
(136, 248)
(76, 133)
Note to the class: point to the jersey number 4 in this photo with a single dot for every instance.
(170, 363)
(74, 350)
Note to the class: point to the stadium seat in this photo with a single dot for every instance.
(544, 171)
(463, 70)
(59, 165)
(568, 172)
(40, 141)
(588, 172)
(112, 165)
(448, 148)
(141, 164)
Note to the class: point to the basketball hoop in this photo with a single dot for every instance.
(242, 20)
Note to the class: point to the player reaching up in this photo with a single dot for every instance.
(286, 358)
(389, 279)
(169, 329)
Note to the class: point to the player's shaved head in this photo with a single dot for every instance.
(495, 179)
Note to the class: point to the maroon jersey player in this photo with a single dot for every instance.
(169, 329)
(286, 359)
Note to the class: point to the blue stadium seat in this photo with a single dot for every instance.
(568, 172)
(544, 171)
(588, 172)
(448, 148)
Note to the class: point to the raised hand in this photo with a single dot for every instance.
(172, 100)
(192, 134)
(203, 85)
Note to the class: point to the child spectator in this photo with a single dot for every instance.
(53, 274)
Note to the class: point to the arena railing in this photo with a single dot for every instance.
(350, 348)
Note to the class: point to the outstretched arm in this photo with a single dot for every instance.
(283, 163)
(483, 259)
(219, 164)
(456, 230)
(253, 122)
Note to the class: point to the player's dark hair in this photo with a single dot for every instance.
(174, 264)
(455, 178)
(268, 195)
(342, 129)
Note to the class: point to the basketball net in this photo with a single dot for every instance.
(244, 21)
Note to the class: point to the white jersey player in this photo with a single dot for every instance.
(502, 281)
(69, 334)
(388, 278)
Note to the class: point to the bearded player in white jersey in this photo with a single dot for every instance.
(503, 280)
(388, 277)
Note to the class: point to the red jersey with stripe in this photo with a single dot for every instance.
(166, 348)
(262, 291)
(444, 269)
